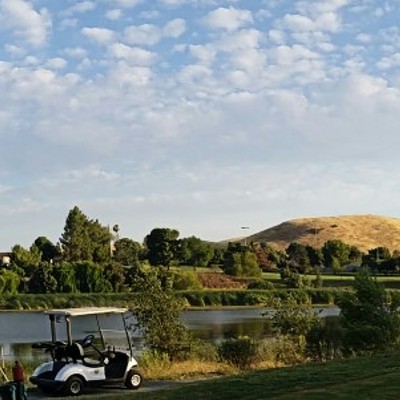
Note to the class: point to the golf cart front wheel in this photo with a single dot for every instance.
(134, 379)
(74, 386)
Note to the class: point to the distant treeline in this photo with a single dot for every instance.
(92, 258)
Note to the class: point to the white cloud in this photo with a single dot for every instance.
(133, 55)
(26, 23)
(75, 52)
(80, 8)
(99, 35)
(14, 51)
(56, 63)
(150, 35)
(114, 14)
(127, 3)
(174, 28)
(145, 34)
(328, 22)
(391, 61)
(228, 18)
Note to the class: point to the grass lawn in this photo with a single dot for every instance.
(367, 378)
(346, 280)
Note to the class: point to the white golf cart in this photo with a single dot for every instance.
(77, 364)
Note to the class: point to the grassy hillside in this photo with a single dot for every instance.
(363, 231)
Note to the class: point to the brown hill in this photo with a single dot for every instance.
(363, 231)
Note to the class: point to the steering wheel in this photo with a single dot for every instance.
(87, 340)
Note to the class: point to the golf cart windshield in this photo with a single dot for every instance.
(65, 316)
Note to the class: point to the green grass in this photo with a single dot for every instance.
(339, 281)
(368, 378)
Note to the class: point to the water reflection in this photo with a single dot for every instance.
(19, 330)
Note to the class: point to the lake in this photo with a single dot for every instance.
(18, 330)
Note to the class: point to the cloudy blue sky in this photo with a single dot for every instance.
(199, 115)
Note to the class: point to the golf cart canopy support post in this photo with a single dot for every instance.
(67, 313)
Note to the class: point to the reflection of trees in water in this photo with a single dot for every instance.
(255, 329)
(23, 352)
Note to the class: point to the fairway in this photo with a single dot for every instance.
(385, 387)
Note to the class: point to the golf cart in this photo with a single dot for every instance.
(81, 363)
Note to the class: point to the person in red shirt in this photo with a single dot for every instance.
(18, 379)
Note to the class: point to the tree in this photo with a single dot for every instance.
(26, 260)
(114, 274)
(336, 254)
(100, 242)
(241, 261)
(292, 279)
(9, 282)
(369, 320)
(90, 278)
(64, 274)
(42, 280)
(315, 256)
(292, 322)
(84, 239)
(47, 248)
(298, 257)
(75, 241)
(158, 315)
(127, 252)
(195, 252)
(162, 246)
(377, 259)
(267, 256)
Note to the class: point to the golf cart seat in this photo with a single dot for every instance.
(76, 353)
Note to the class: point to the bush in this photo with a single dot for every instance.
(325, 339)
(240, 352)
(186, 281)
(286, 350)
(262, 284)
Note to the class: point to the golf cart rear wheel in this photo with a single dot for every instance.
(74, 386)
(134, 379)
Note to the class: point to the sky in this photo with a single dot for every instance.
(200, 115)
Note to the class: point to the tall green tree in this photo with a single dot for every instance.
(64, 274)
(90, 278)
(370, 320)
(298, 256)
(75, 240)
(195, 252)
(84, 239)
(127, 252)
(42, 279)
(241, 261)
(336, 254)
(9, 282)
(25, 260)
(47, 248)
(158, 312)
(100, 238)
(114, 274)
(162, 246)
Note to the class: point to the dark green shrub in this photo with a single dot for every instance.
(324, 341)
(240, 352)
(262, 284)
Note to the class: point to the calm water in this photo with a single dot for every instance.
(18, 330)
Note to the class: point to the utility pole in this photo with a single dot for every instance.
(245, 238)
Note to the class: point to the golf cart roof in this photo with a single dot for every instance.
(75, 312)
